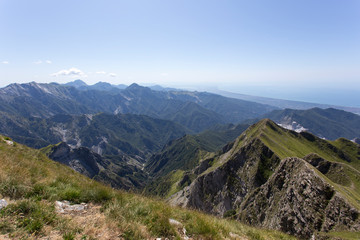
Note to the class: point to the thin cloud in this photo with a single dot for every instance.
(40, 62)
(5, 62)
(100, 72)
(72, 72)
(112, 74)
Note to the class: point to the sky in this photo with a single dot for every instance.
(302, 50)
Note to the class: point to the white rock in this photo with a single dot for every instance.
(8, 142)
(65, 206)
(174, 222)
(3, 203)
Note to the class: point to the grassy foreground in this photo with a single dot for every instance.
(32, 183)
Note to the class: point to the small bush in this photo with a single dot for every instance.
(30, 215)
(5, 227)
(68, 236)
(230, 214)
(12, 188)
(71, 194)
(97, 194)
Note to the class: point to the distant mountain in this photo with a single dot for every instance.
(118, 172)
(77, 83)
(137, 136)
(233, 110)
(276, 178)
(327, 123)
(196, 111)
(160, 88)
(282, 103)
(101, 86)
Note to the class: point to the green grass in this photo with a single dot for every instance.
(285, 143)
(33, 182)
(342, 235)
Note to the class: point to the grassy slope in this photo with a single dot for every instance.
(285, 143)
(33, 183)
(169, 166)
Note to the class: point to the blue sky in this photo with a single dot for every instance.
(280, 48)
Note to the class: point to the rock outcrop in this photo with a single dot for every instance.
(298, 201)
(299, 196)
(118, 171)
(219, 190)
(80, 159)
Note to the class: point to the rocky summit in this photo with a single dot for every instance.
(279, 179)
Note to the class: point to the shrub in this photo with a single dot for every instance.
(30, 215)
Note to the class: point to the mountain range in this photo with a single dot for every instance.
(45, 100)
(199, 150)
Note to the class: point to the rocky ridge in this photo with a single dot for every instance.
(248, 181)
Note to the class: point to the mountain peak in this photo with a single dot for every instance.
(261, 127)
(267, 122)
(102, 84)
(137, 87)
(77, 83)
(133, 86)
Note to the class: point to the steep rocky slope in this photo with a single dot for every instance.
(135, 135)
(249, 181)
(121, 171)
(176, 160)
(299, 201)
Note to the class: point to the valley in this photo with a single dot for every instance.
(293, 171)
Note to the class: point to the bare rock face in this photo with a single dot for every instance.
(297, 196)
(219, 190)
(298, 201)
(80, 159)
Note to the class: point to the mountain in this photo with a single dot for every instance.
(280, 179)
(77, 84)
(105, 147)
(137, 136)
(100, 86)
(35, 189)
(196, 111)
(233, 110)
(281, 103)
(167, 167)
(328, 123)
(160, 88)
(119, 171)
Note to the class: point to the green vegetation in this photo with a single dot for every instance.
(32, 183)
(166, 167)
(344, 175)
(341, 235)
